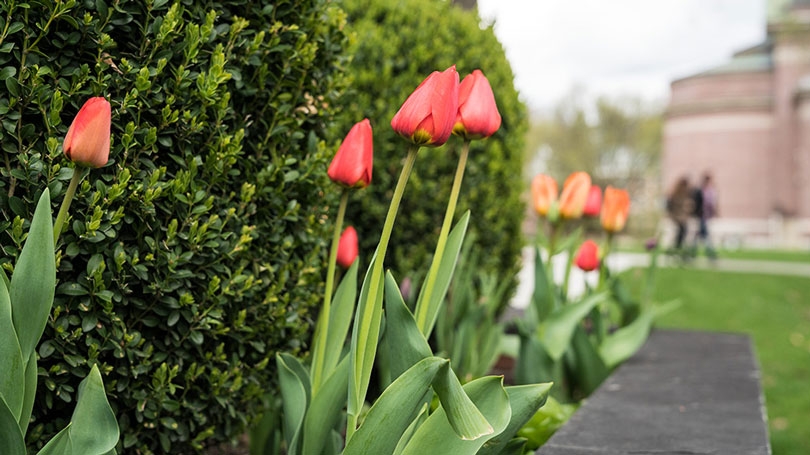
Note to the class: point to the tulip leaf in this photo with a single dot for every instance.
(409, 432)
(533, 362)
(428, 306)
(588, 367)
(394, 410)
(464, 417)
(524, 401)
(340, 319)
(623, 343)
(556, 331)
(34, 279)
(295, 393)
(406, 344)
(30, 393)
(93, 429)
(11, 439)
(325, 410)
(11, 359)
(437, 436)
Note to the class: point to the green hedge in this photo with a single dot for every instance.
(195, 254)
(397, 44)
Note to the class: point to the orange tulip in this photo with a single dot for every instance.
(478, 115)
(428, 115)
(347, 248)
(574, 195)
(353, 161)
(544, 193)
(87, 142)
(594, 202)
(587, 257)
(615, 208)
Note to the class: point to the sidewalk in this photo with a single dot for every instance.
(619, 262)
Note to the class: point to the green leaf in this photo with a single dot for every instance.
(295, 389)
(30, 393)
(394, 410)
(11, 440)
(587, 366)
(524, 400)
(427, 310)
(93, 429)
(404, 343)
(533, 363)
(464, 417)
(557, 329)
(340, 319)
(34, 280)
(437, 436)
(543, 294)
(326, 409)
(12, 385)
(623, 343)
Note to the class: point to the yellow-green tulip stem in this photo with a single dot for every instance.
(78, 173)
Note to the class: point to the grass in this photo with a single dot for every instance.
(775, 312)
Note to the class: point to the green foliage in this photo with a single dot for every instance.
(192, 256)
(397, 45)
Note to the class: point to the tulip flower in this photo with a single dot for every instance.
(428, 115)
(544, 193)
(587, 257)
(575, 195)
(478, 115)
(347, 248)
(593, 205)
(87, 142)
(351, 166)
(615, 208)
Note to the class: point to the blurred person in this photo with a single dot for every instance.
(680, 207)
(705, 208)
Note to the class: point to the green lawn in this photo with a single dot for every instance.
(775, 312)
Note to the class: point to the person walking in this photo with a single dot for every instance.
(705, 198)
(680, 207)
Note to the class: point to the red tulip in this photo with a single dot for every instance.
(353, 161)
(478, 115)
(588, 256)
(544, 193)
(88, 139)
(574, 195)
(615, 209)
(347, 248)
(428, 115)
(594, 202)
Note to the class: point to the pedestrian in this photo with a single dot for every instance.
(705, 209)
(680, 207)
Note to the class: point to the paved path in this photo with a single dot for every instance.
(619, 262)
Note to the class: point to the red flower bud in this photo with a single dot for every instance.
(574, 195)
(87, 142)
(428, 115)
(347, 248)
(587, 257)
(544, 193)
(478, 115)
(615, 209)
(594, 202)
(353, 161)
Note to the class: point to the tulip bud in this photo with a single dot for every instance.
(587, 257)
(353, 161)
(87, 142)
(615, 209)
(478, 115)
(347, 248)
(574, 195)
(544, 193)
(428, 115)
(593, 204)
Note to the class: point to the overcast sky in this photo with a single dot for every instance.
(618, 47)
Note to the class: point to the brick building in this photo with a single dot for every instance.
(748, 123)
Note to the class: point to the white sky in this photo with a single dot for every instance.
(618, 47)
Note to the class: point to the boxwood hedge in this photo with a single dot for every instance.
(396, 45)
(196, 252)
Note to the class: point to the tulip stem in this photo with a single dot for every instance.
(322, 329)
(78, 173)
(369, 310)
(425, 312)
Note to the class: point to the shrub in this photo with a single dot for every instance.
(397, 44)
(194, 254)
